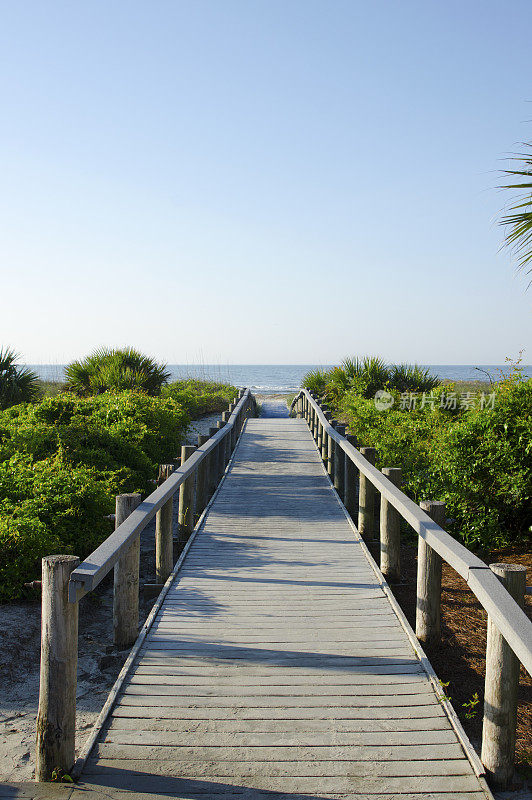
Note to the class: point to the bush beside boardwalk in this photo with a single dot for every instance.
(63, 460)
(477, 456)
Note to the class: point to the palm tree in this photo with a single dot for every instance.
(107, 369)
(17, 384)
(518, 222)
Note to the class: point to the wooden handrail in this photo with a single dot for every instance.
(500, 588)
(65, 583)
(93, 570)
(509, 617)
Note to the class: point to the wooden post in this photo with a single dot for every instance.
(213, 464)
(228, 438)
(186, 498)
(429, 563)
(164, 531)
(202, 479)
(325, 439)
(126, 579)
(366, 498)
(339, 464)
(319, 437)
(390, 528)
(56, 718)
(501, 688)
(331, 444)
(221, 452)
(350, 478)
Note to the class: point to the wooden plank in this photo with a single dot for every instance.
(231, 725)
(316, 769)
(157, 755)
(301, 711)
(250, 701)
(356, 739)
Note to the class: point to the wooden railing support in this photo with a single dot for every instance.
(202, 480)
(186, 498)
(229, 438)
(126, 579)
(164, 531)
(429, 563)
(366, 498)
(213, 464)
(221, 452)
(339, 464)
(325, 439)
(390, 531)
(350, 478)
(331, 446)
(56, 718)
(501, 688)
(319, 438)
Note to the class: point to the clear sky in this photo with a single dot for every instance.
(261, 181)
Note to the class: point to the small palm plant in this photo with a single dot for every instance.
(110, 369)
(412, 378)
(518, 222)
(17, 384)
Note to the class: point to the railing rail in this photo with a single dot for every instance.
(65, 581)
(503, 610)
(93, 570)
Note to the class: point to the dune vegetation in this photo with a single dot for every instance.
(472, 450)
(64, 456)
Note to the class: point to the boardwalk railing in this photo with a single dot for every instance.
(499, 588)
(65, 581)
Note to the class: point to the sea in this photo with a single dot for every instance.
(283, 378)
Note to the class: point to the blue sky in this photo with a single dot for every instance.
(262, 182)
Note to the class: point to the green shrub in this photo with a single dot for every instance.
(201, 397)
(63, 460)
(118, 370)
(365, 376)
(478, 460)
(17, 384)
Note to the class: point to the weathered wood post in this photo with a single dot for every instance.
(339, 464)
(126, 579)
(202, 479)
(325, 439)
(164, 531)
(221, 451)
(366, 498)
(228, 439)
(56, 718)
(390, 530)
(350, 478)
(213, 464)
(319, 437)
(315, 423)
(428, 602)
(186, 498)
(331, 444)
(298, 408)
(501, 688)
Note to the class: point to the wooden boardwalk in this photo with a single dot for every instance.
(277, 666)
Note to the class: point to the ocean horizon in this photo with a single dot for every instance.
(272, 378)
